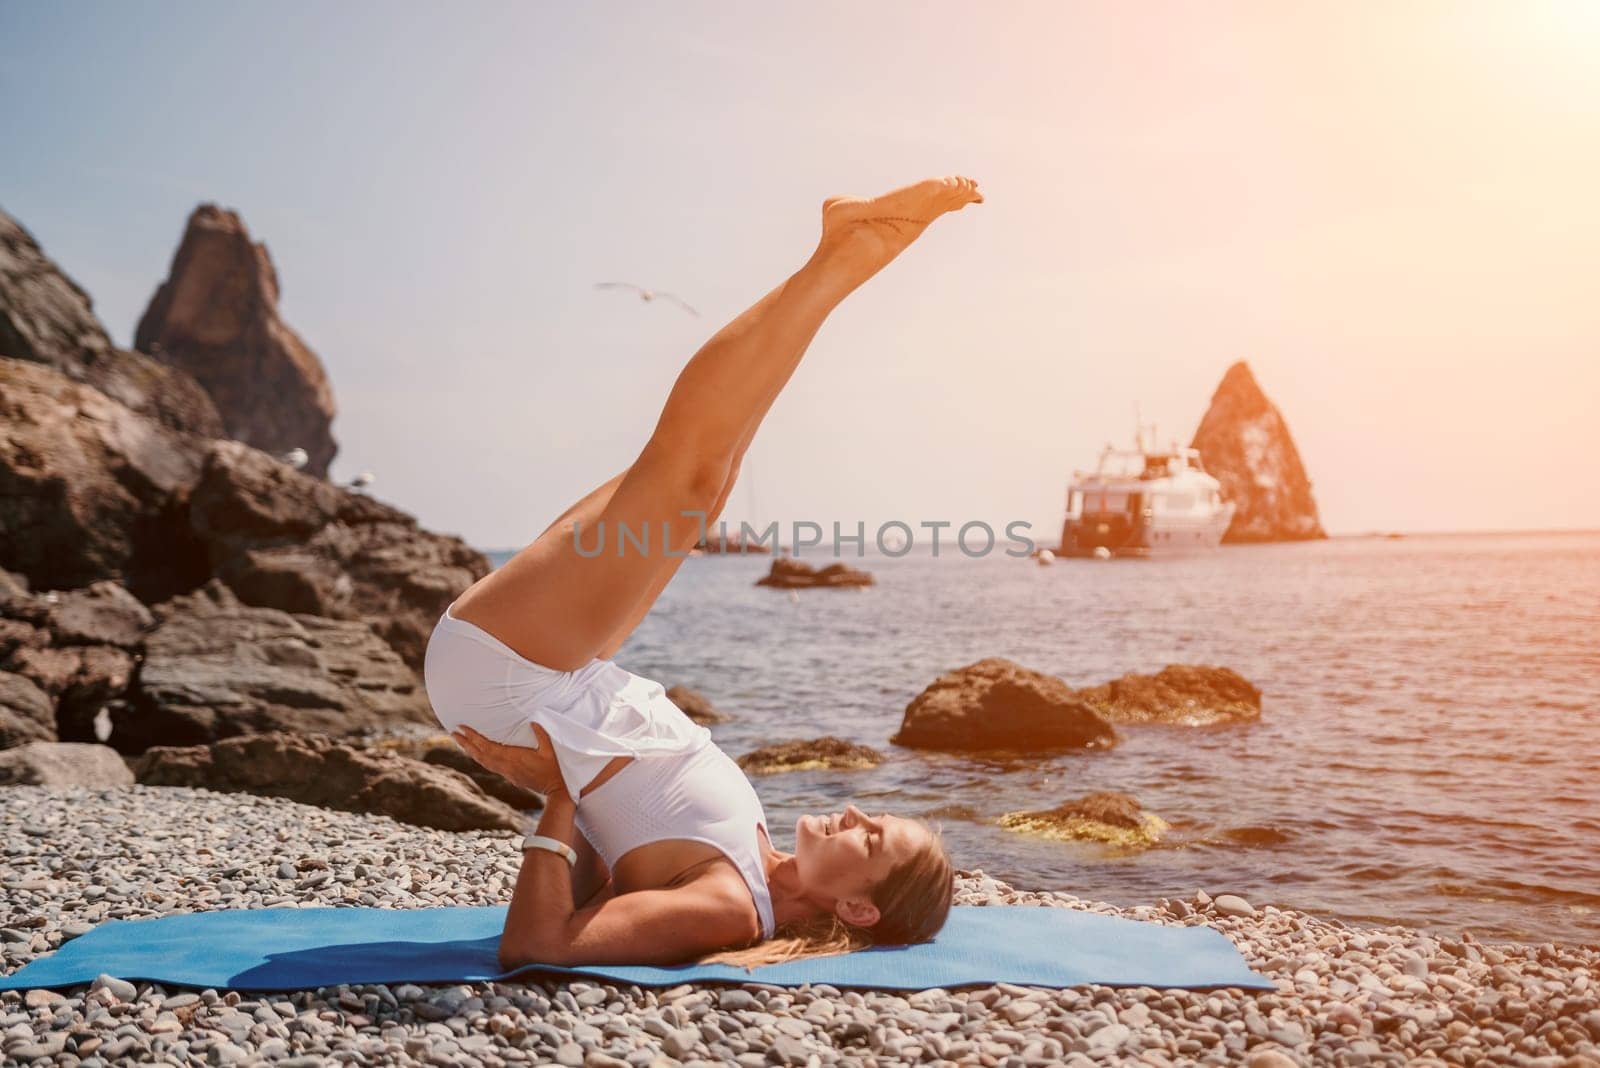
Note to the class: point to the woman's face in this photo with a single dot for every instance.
(843, 855)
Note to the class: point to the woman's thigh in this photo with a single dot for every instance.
(559, 601)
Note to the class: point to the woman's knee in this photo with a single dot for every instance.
(723, 494)
(693, 477)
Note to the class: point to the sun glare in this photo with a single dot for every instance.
(1573, 24)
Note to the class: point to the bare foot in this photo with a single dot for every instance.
(861, 235)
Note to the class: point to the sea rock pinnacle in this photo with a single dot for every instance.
(1245, 443)
(216, 316)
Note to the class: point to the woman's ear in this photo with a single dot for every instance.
(857, 910)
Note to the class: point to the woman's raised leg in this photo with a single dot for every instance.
(647, 599)
(561, 600)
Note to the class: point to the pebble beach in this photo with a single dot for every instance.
(76, 856)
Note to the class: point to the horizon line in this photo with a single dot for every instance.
(1343, 536)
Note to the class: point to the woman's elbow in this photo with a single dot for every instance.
(509, 957)
(514, 955)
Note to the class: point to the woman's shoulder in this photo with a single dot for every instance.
(718, 886)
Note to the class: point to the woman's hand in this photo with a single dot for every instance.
(531, 769)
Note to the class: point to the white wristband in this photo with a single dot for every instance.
(540, 841)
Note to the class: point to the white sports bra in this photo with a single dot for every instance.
(702, 796)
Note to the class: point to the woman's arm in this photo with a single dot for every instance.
(541, 904)
(543, 926)
(642, 927)
(537, 769)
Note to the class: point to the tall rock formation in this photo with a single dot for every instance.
(46, 318)
(1245, 443)
(216, 316)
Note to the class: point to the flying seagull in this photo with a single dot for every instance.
(648, 294)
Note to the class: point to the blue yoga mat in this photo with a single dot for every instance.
(298, 949)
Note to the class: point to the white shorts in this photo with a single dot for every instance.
(592, 714)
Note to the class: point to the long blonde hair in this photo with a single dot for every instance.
(913, 902)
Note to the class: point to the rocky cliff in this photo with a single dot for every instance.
(91, 490)
(46, 318)
(216, 316)
(115, 500)
(175, 588)
(1245, 443)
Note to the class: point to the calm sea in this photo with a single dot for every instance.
(1428, 751)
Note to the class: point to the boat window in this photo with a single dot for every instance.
(1074, 502)
(1105, 502)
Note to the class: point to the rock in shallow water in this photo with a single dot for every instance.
(1108, 816)
(1245, 443)
(1181, 694)
(788, 573)
(696, 705)
(808, 754)
(999, 704)
(996, 704)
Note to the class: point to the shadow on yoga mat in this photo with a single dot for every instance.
(299, 949)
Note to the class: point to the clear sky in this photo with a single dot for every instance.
(1390, 210)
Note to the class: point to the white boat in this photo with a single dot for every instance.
(1143, 502)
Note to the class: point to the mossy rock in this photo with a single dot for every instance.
(1187, 695)
(1107, 817)
(825, 753)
